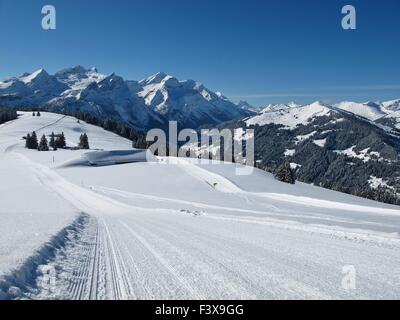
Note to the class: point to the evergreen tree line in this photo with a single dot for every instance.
(137, 137)
(56, 142)
(7, 114)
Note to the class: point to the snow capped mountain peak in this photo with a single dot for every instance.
(74, 70)
(78, 78)
(111, 81)
(36, 75)
(155, 78)
(319, 104)
(111, 77)
(278, 107)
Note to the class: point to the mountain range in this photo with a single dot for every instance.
(290, 115)
(144, 104)
(153, 101)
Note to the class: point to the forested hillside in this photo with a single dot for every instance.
(7, 114)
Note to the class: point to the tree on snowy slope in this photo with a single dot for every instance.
(52, 142)
(138, 137)
(31, 141)
(43, 146)
(34, 140)
(7, 115)
(60, 141)
(28, 141)
(83, 142)
(285, 173)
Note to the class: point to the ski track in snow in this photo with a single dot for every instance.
(123, 251)
(132, 253)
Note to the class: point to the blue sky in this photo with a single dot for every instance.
(261, 51)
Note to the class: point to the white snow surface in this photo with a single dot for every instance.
(370, 111)
(364, 155)
(289, 152)
(376, 182)
(291, 115)
(304, 137)
(183, 230)
(320, 142)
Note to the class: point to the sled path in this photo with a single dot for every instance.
(128, 252)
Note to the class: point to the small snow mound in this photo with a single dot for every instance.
(105, 158)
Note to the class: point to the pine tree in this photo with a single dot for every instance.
(60, 141)
(34, 141)
(83, 141)
(285, 174)
(33, 114)
(52, 142)
(123, 131)
(38, 114)
(43, 144)
(7, 114)
(28, 141)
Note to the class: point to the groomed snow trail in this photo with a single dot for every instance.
(128, 252)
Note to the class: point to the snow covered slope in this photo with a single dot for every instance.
(392, 119)
(372, 110)
(185, 230)
(290, 115)
(369, 110)
(393, 105)
(145, 104)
